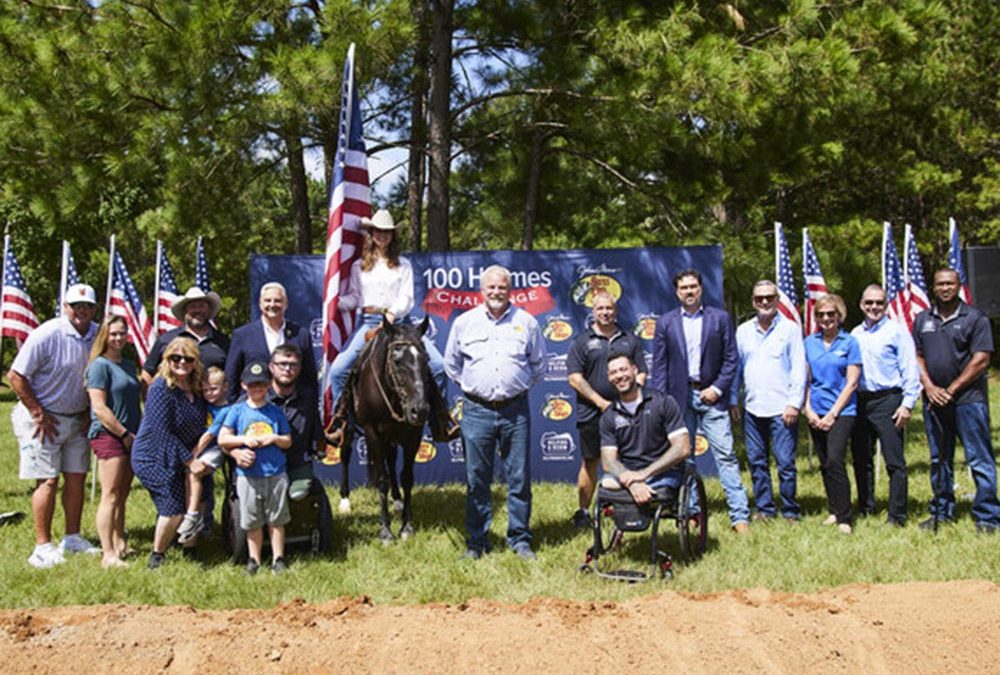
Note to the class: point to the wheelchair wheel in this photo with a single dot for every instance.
(322, 540)
(692, 516)
(234, 537)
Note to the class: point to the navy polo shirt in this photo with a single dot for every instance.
(588, 356)
(302, 414)
(828, 371)
(947, 346)
(643, 437)
(212, 349)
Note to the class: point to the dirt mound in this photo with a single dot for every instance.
(913, 628)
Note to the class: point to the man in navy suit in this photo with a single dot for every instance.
(256, 340)
(695, 361)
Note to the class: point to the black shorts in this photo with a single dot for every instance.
(590, 438)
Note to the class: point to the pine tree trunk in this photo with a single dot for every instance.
(440, 127)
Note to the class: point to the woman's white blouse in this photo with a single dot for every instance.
(390, 289)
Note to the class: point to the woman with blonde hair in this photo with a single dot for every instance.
(114, 391)
(833, 369)
(162, 452)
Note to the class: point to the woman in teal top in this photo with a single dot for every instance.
(833, 365)
(114, 403)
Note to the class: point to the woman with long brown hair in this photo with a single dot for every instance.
(173, 422)
(114, 391)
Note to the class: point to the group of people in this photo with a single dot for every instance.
(852, 388)
(255, 399)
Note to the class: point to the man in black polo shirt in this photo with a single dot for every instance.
(644, 440)
(196, 309)
(587, 364)
(300, 407)
(954, 343)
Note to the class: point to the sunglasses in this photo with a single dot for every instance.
(825, 314)
(77, 306)
(876, 303)
(764, 298)
(180, 358)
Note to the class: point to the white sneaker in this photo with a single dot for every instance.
(74, 543)
(45, 556)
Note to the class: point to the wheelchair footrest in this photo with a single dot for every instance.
(631, 576)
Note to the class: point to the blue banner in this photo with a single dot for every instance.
(556, 287)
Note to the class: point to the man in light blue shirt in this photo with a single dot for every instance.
(890, 385)
(772, 368)
(495, 353)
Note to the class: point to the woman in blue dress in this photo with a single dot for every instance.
(173, 422)
(833, 369)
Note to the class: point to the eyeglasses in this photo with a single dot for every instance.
(180, 358)
(869, 303)
(832, 312)
(286, 365)
(764, 298)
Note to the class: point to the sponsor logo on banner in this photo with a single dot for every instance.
(648, 358)
(555, 368)
(645, 328)
(557, 446)
(361, 450)
(700, 445)
(593, 279)
(445, 294)
(456, 450)
(332, 456)
(557, 407)
(316, 332)
(558, 328)
(426, 452)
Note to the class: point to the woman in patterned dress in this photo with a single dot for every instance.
(173, 422)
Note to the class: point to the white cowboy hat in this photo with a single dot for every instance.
(382, 220)
(195, 293)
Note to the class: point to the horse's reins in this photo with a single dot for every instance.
(396, 416)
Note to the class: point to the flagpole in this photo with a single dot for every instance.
(3, 301)
(62, 276)
(111, 276)
(156, 291)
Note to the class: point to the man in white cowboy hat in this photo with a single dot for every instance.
(51, 418)
(196, 309)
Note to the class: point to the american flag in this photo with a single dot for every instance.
(166, 293)
(955, 262)
(124, 301)
(913, 275)
(350, 200)
(815, 284)
(18, 312)
(892, 279)
(788, 299)
(67, 276)
(201, 279)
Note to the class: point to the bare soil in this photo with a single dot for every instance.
(901, 628)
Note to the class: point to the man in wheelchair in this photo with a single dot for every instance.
(644, 445)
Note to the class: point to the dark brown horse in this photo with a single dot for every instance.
(386, 395)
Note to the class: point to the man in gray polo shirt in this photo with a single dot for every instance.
(51, 418)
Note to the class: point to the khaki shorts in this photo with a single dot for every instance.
(68, 453)
(263, 501)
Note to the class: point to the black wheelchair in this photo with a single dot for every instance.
(615, 513)
(312, 519)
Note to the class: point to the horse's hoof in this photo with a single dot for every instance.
(397, 505)
(344, 506)
(385, 536)
(406, 532)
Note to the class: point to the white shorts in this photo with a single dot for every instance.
(68, 453)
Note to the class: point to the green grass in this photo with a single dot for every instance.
(427, 569)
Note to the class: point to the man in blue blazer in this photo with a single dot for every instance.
(256, 340)
(695, 361)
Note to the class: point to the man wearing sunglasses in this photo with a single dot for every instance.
(954, 343)
(889, 387)
(772, 369)
(50, 421)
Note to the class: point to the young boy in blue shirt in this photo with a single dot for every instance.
(256, 434)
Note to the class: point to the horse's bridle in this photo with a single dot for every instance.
(392, 374)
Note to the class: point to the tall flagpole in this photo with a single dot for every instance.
(156, 293)
(63, 273)
(6, 246)
(111, 277)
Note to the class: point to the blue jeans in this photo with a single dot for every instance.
(484, 431)
(761, 433)
(714, 423)
(970, 422)
(340, 369)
